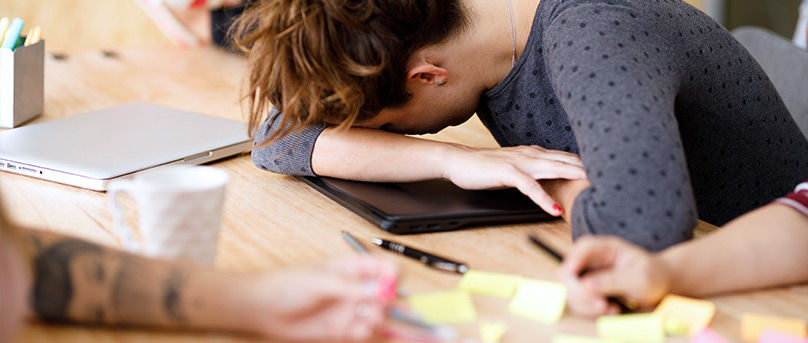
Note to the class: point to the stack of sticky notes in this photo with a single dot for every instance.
(492, 332)
(685, 316)
(675, 315)
(545, 301)
(447, 307)
(491, 284)
(542, 301)
(631, 328)
(754, 325)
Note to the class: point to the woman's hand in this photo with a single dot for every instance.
(518, 167)
(604, 266)
(345, 299)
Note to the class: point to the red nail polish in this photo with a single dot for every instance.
(387, 288)
(557, 208)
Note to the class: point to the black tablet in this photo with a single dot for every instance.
(429, 206)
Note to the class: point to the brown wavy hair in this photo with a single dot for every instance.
(335, 61)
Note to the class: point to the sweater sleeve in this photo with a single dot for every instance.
(617, 81)
(290, 155)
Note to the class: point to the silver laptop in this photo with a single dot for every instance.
(90, 150)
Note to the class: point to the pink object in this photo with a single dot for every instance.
(772, 336)
(168, 24)
(387, 288)
(708, 336)
(408, 336)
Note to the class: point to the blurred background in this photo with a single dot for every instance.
(86, 23)
(106, 23)
(779, 16)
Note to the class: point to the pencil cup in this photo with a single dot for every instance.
(22, 84)
(180, 211)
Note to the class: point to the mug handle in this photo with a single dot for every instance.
(119, 216)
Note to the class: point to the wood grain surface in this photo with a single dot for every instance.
(272, 221)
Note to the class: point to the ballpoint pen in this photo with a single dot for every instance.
(440, 331)
(625, 305)
(426, 258)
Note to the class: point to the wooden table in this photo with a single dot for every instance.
(272, 221)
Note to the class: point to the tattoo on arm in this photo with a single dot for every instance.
(172, 297)
(76, 280)
(53, 280)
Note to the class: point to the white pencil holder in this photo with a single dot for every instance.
(22, 84)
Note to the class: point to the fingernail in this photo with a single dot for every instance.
(386, 288)
(557, 208)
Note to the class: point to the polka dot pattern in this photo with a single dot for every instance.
(672, 117)
(290, 155)
(667, 110)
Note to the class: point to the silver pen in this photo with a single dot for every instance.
(354, 243)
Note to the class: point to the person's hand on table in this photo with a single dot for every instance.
(614, 267)
(345, 299)
(519, 167)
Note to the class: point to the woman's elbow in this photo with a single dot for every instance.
(652, 227)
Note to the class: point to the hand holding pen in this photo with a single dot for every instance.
(624, 305)
(431, 333)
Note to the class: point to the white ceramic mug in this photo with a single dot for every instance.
(180, 212)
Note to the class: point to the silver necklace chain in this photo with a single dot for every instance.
(513, 31)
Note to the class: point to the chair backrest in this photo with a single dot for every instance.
(785, 64)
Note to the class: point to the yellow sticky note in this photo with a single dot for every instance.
(752, 325)
(541, 301)
(581, 339)
(444, 307)
(640, 328)
(492, 332)
(676, 327)
(695, 314)
(488, 283)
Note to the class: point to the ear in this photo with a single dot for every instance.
(426, 73)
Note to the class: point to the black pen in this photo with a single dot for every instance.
(625, 306)
(426, 258)
(445, 333)
(546, 248)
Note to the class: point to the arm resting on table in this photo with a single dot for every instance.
(763, 248)
(78, 281)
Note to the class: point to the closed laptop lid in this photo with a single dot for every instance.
(120, 140)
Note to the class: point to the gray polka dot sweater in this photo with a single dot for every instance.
(673, 119)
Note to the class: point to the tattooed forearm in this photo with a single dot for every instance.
(76, 280)
(172, 297)
(131, 294)
(83, 282)
(53, 278)
(145, 291)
